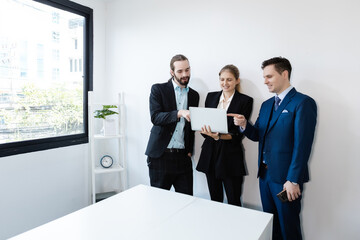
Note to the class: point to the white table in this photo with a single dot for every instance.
(149, 213)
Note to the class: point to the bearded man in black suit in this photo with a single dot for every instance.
(171, 141)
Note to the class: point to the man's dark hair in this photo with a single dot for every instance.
(176, 58)
(281, 64)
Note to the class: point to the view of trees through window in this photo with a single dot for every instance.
(41, 72)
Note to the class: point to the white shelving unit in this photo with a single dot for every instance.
(97, 149)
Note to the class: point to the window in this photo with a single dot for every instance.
(71, 65)
(55, 17)
(56, 37)
(56, 54)
(80, 65)
(43, 102)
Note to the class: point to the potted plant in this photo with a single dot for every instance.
(109, 123)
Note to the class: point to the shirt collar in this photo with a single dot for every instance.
(284, 93)
(177, 87)
(222, 97)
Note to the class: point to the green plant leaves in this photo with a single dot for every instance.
(105, 111)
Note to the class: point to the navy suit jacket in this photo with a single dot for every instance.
(285, 141)
(227, 154)
(163, 113)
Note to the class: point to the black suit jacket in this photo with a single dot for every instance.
(163, 113)
(227, 155)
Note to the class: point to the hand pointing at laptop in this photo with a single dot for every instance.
(239, 120)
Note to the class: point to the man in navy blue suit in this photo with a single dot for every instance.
(285, 131)
(171, 141)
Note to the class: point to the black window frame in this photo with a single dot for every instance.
(14, 148)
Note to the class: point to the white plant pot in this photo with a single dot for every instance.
(109, 126)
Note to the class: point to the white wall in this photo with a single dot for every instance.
(133, 43)
(38, 187)
(320, 38)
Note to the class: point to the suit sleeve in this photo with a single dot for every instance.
(304, 129)
(252, 131)
(158, 116)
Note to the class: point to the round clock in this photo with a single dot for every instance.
(106, 161)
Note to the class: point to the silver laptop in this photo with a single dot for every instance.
(213, 117)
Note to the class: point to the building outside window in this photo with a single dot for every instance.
(42, 100)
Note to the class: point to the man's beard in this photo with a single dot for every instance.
(184, 81)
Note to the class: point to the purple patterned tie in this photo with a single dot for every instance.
(277, 102)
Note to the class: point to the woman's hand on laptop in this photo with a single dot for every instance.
(207, 131)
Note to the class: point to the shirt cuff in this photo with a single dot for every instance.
(294, 183)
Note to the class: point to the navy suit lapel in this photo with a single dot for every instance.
(268, 108)
(284, 103)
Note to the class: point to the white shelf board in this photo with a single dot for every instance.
(114, 168)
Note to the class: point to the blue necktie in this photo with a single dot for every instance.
(277, 102)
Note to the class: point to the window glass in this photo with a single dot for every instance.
(40, 96)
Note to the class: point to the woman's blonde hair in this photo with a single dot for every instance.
(234, 71)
